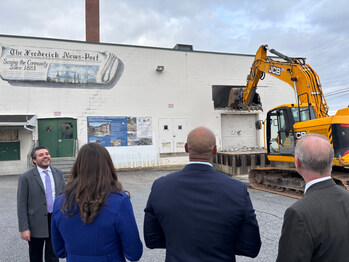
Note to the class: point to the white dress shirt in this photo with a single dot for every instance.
(312, 182)
(198, 162)
(42, 176)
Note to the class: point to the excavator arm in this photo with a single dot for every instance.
(294, 71)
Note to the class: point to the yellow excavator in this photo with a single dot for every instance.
(287, 123)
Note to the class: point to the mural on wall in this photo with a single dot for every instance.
(51, 67)
(119, 130)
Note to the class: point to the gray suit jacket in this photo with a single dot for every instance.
(31, 201)
(316, 228)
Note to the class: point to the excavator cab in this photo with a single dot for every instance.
(280, 135)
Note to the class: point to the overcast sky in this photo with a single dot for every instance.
(316, 30)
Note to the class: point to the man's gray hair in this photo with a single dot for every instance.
(317, 157)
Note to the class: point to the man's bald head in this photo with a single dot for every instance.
(201, 144)
(315, 154)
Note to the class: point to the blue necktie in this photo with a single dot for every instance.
(49, 198)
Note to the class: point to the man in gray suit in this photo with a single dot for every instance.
(37, 189)
(316, 228)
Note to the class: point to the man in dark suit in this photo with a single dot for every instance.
(37, 189)
(199, 214)
(316, 228)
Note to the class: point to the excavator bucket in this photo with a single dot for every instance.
(235, 101)
(235, 98)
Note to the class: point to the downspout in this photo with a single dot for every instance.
(25, 127)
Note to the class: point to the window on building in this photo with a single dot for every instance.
(67, 130)
(8, 135)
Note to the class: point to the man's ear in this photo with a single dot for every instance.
(214, 151)
(297, 162)
(186, 148)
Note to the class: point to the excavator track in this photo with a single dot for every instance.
(287, 181)
(341, 178)
(282, 181)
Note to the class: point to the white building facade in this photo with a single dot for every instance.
(139, 102)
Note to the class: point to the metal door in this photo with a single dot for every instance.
(238, 131)
(166, 135)
(179, 134)
(172, 134)
(58, 135)
(10, 151)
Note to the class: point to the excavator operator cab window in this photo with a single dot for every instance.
(281, 139)
(303, 113)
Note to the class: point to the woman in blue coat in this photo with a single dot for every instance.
(93, 220)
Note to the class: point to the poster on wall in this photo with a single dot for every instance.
(119, 130)
(54, 67)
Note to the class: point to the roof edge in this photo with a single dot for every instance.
(121, 45)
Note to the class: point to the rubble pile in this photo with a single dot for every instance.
(245, 149)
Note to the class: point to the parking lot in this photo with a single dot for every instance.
(269, 210)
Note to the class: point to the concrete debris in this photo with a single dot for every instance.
(241, 108)
(245, 149)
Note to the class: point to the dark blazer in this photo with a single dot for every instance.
(31, 201)
(316, 228)
(199, 214)
(110, 237)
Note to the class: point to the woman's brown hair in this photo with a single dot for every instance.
(92, 179)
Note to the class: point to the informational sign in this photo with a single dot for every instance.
(144, 127)
(119, 130)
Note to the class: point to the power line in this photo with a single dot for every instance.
(337, 92)
(340, 97)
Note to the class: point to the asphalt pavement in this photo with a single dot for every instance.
(269, 208)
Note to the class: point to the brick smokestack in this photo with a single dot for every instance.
(92, 20)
